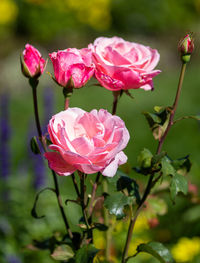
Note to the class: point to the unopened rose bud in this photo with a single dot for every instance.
(72, 67)
(32, 63)
(186, 47)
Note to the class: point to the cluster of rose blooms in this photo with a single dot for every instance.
(92, 141)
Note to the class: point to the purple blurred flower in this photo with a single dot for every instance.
(13, 259)
(4, 136)
(48, 98)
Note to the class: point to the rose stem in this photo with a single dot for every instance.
(83, 203)
(93, 195)
(149, 184)
(75, 184)
(67, 92)
(106, 222)
(115, 101)
(105, 186)
(34, 83)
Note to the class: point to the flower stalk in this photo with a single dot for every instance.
(150, 182)
(34, 83)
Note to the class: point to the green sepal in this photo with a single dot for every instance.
(34, 145)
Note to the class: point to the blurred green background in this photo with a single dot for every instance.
(58, 24)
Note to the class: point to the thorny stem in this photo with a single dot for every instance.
(34, 83)
(149, 184)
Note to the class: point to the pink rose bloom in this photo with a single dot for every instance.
(86, 141)
(72, 64)
(32, 63)
(124, 65)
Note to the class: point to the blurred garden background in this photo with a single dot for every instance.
(50, 25)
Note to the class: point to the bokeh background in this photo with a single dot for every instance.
(58, 24)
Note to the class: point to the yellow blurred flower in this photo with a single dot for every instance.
(99, 239)
(141, 223)
(95, 13)
(8, 11)
(186, 249)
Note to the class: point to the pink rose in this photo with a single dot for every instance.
(32, 63)
(72, 64)
(124, 65)
(86, 141)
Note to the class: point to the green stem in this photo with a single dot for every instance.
(75, 185)
(174, 107)
(149, 184)
(93, 195)
(34, 83)
(116, 95)
(83, 205)
(107, 223)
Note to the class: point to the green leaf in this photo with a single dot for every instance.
(178, 184)
(33, 211)
(115, 204)
(34, 146)
(152, 118)
(86, 254)
(158, 157)
(157, 250)
(125, 182)
(144, 158)
(100, 226)
(62, 252)
(182, 165)
(158, 108)
(167, 168)
(158, 121)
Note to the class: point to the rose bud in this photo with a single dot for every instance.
(72, 67)
(186, 47)
(32, 63)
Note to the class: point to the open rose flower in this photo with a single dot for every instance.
(124, 65)
(86, 141)
(72, 65)
(32, 63)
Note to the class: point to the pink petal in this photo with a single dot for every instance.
(82, 145)
(58, 164)
(112, 167)
(108, 82)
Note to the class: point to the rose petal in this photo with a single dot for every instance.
(112, 167)
(58, 164)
